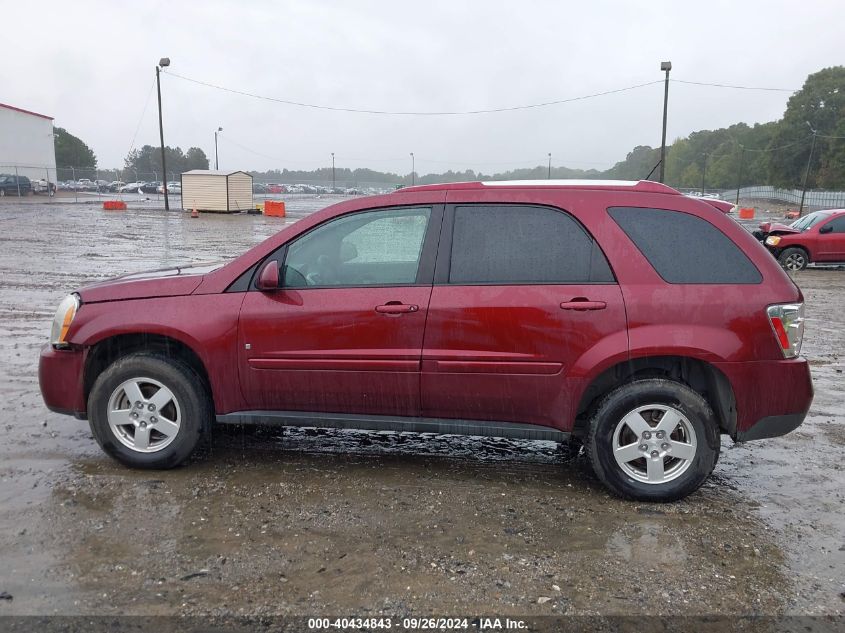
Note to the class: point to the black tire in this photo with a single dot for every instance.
(794, 258)
(699, 421)
(188, 390)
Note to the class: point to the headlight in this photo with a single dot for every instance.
(63, 319)
(773, 240)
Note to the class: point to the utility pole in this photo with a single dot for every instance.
(703, 172)
(162, 63)
(413, 175)
(665, 66)
(333, 187)
(739, 172)
(550, 166)
(807, 171)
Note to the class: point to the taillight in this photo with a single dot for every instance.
(787, 321)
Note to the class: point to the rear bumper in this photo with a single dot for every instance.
(772, 397)
(60, 377)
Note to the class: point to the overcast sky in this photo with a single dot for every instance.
(91, 66)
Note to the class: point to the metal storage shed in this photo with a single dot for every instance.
(215, 190)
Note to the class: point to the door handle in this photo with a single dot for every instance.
(582, 303)
(396, 308)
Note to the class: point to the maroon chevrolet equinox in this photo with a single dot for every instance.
(638, 321)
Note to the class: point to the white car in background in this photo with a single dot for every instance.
(131, 187)
(174, 186)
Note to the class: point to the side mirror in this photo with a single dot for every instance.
(827, 228)
(268, 277)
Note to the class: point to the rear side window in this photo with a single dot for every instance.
(685, 249)
(511, 244)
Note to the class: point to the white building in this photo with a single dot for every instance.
(26, 143)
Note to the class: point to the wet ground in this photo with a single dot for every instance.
(310, 522)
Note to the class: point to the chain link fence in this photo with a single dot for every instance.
(80, 184)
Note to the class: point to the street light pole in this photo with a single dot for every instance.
(413, 176)
(333, 187)
(216, 163)
(550, 166)
(665, 66)
(807, 171)
(162, 63)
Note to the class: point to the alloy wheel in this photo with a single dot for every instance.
(654, 444)
(144, 415)
(795, 261)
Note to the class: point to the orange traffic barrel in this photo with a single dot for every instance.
(746, 213)
(114, 205)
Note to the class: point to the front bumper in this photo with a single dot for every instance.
(60, 377)
(772, 397)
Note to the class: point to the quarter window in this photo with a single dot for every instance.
(685, 249)
(373, 248)
(513, 244)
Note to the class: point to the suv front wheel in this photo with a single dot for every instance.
(653, 440)
(148, 411)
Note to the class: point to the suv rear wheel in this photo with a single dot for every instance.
(653, 440)
(794, 259)
(148, 411)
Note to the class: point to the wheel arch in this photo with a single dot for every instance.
(106, 351)
(799, 246)
(699, 375)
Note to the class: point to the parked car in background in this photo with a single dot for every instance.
(275, 188)
(258, 187)
(816, 238)
(540, 309)
(43, 186)
(131, 187)
(174, 186)
(11, 185)
(85, 184)
(150, 187)
(115, 185)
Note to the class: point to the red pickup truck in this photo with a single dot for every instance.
(816, 238)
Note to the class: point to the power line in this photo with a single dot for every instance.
(228, 139)
(141, 119)
(411, 113)
(713, 85)
(774, 149)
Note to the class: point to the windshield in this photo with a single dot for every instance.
(808, 221)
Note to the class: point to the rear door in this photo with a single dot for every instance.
(831, 245)
(521, 293)
(345, 333)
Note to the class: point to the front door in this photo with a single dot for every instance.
(831, 245)
(525, 293)
(345, 333)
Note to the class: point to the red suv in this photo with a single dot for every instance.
(544, 310)
(816, 238)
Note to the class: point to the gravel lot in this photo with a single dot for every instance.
(347, 523)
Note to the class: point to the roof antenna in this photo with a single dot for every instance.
(652, 170)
